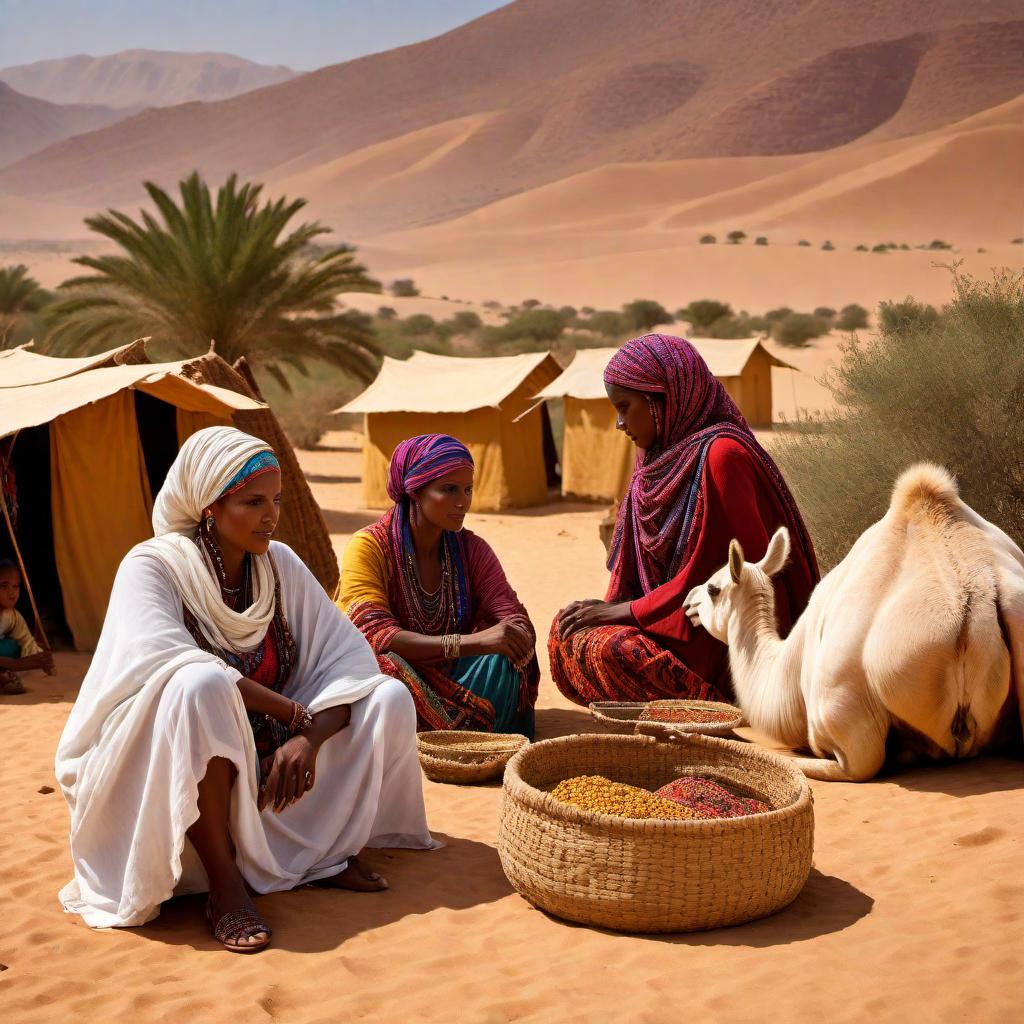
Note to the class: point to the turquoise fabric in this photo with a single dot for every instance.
(9, 648)
(496, 679)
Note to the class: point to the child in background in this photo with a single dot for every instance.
(19, 651)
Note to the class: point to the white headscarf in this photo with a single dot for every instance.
(206, 464)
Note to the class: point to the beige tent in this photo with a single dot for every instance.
(89, 442)
(597, 460)
(480, 401)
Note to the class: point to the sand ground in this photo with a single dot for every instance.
(912, 912)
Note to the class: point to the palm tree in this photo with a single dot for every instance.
(20, 297)
(223, 272)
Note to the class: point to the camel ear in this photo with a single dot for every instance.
(735, 560)
(777, 555)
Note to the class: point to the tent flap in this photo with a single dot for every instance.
(101, 506)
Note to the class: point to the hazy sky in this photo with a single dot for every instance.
(302, 34)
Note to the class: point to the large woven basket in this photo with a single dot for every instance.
(625, 716)
(466, 757)
(654, 875)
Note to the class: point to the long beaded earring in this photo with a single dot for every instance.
(656, 416)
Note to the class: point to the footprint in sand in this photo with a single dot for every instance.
(982, 837)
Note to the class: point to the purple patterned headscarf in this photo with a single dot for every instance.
(653, 531)
(419, 460)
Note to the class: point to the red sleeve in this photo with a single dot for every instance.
(738, 503)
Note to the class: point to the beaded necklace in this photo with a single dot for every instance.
(270, 663)
(432, 614)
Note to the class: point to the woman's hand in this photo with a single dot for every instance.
(284, 773)
(505, 638)
(42, 660)
(587, 614)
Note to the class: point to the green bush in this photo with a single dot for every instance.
(708, 240)
(852, 318)
(732, 327)
(417, 324)
(882, 247)
(947, 391)
(404, 288)
(607, 323)
(862, 248)
(760, 240)
(641, 315)
(530, 303)
(465, 322)
(387, 313)
(939, 244)
(825, 312)
(735, 237)
(777, 314)
(704, 312)
(796, 329)
(533, 324)
(803, 242)
(1018, 241)
(895, 318)
(828, 246)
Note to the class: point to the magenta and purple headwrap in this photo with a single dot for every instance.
(653, 531)
(414, 463)
(419, 460)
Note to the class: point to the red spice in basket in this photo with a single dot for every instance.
(710, 798)
(688, 716)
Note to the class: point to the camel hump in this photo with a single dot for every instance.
(924, 484)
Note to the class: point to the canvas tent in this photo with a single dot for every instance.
(597, 460)
(89, 441)
(480, 401)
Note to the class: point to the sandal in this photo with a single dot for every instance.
(10, 684)
(246, 923)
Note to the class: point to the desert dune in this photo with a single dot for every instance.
(912, 910)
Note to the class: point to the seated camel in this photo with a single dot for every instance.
(914, 642)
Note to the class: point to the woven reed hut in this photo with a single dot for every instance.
(487, 403)
(88, 442)
(597, 459)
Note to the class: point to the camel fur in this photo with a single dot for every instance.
(914, 642)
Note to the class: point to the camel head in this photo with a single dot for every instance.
(711, 605)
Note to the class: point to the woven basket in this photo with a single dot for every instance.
(466, 757)
(654, 875)
(624, 717)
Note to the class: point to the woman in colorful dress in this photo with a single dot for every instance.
(701, 480)
(433, 601)
(233, 729)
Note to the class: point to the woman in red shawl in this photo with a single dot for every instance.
(701, 480)
(433, 600)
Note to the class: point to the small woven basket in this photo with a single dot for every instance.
(653, 875)
(625, 716)
(466, 757)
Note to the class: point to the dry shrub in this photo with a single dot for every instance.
(949, 391)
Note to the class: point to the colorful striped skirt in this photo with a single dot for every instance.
(621, 663)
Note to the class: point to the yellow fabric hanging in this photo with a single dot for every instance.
(101, 505)
(597, 459)
(187, 422)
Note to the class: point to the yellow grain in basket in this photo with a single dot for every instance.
(601, 795)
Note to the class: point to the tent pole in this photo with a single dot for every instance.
(21, 562)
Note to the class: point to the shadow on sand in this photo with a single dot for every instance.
(826, 904)
(322, 478)
(463, 874)
(348, 522)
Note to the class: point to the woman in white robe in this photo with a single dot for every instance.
(158, 761)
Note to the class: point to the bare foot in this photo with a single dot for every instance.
(236, 923)
(357, 877)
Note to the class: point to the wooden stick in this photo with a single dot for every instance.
(21, 562)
